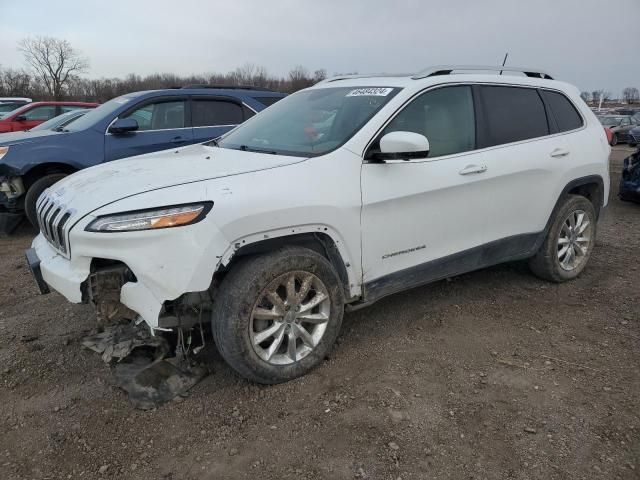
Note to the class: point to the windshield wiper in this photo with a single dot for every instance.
(246, 148)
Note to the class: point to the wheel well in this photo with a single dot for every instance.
(592, 191)
(318, 242)
(40, 171)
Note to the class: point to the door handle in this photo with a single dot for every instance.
(471, 169)
(559, 152)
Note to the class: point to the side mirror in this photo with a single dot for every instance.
(402, 146)
(20, 118)
(123, 125)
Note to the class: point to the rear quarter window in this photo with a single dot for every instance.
(562, 110)
(512, 114)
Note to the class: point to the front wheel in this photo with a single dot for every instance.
(276, 316)
(34, 191)
(569, 242)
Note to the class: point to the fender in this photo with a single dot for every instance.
(349, 272)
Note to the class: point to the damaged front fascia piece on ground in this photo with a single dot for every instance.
(141, 368)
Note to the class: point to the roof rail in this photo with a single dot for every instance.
(229, 87)
(448, 69)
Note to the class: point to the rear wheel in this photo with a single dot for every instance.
(569, 242)
(614, 139)
(35, 190)
(276, 316)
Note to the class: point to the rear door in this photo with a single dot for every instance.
(212, 116)
(162, 124)
(521, 164)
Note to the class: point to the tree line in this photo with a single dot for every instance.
(630, 95)
(53, 70)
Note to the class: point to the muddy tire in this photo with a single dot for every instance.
(35, 190)
(276, 316)
(569, 242)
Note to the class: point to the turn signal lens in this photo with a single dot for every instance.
(151, 219)
(3, 151)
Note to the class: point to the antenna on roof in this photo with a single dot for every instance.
(504, 62)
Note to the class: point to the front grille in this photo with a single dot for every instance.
(52, 220)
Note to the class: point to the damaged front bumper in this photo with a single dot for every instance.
(142, 272)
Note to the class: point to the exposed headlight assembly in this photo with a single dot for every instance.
(3, 151)
(151, 219)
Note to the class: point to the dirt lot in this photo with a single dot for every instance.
(491, 375)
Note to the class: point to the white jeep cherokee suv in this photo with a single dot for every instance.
(338, 195)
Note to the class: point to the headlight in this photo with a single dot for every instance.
(3, 151)
(151, 219)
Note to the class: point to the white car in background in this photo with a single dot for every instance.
(336, 196)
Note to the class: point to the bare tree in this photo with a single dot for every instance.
(15, 83)
(299, 78)
(586, 96)
(631, 95)
(54, 61)
(319, 75)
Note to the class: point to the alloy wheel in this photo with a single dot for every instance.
(289, 318)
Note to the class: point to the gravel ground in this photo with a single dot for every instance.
(491, 375)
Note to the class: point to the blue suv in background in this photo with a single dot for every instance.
(133, 124)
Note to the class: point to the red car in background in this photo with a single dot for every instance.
(33, 114)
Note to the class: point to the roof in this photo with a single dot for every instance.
(81, 104)
(189, 90)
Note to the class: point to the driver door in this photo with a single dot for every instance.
(421, 210)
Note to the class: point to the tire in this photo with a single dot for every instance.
(614, 140)
(34, 191)
(242, 312)
(551, 262)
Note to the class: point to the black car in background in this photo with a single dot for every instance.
(620, 125)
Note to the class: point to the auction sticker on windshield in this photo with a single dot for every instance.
(370, 92)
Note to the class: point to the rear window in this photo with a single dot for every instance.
(206, 113)
(564, 113)
(267, 101)
(512, 114)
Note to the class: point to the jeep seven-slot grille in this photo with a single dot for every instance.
(52, 218)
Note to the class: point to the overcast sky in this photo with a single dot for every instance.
(590, 43)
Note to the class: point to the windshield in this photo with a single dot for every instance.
(610, 121)
(60, 120)
(8, 107)
(311, 122)
(15, 109)
(98, 113)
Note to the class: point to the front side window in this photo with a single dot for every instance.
(445, 116)
(564, 113)
(159, 116)
(311, 122)
(512, 114)
(42, 113)
(208, 113)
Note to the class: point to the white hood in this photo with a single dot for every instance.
(97, 186)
